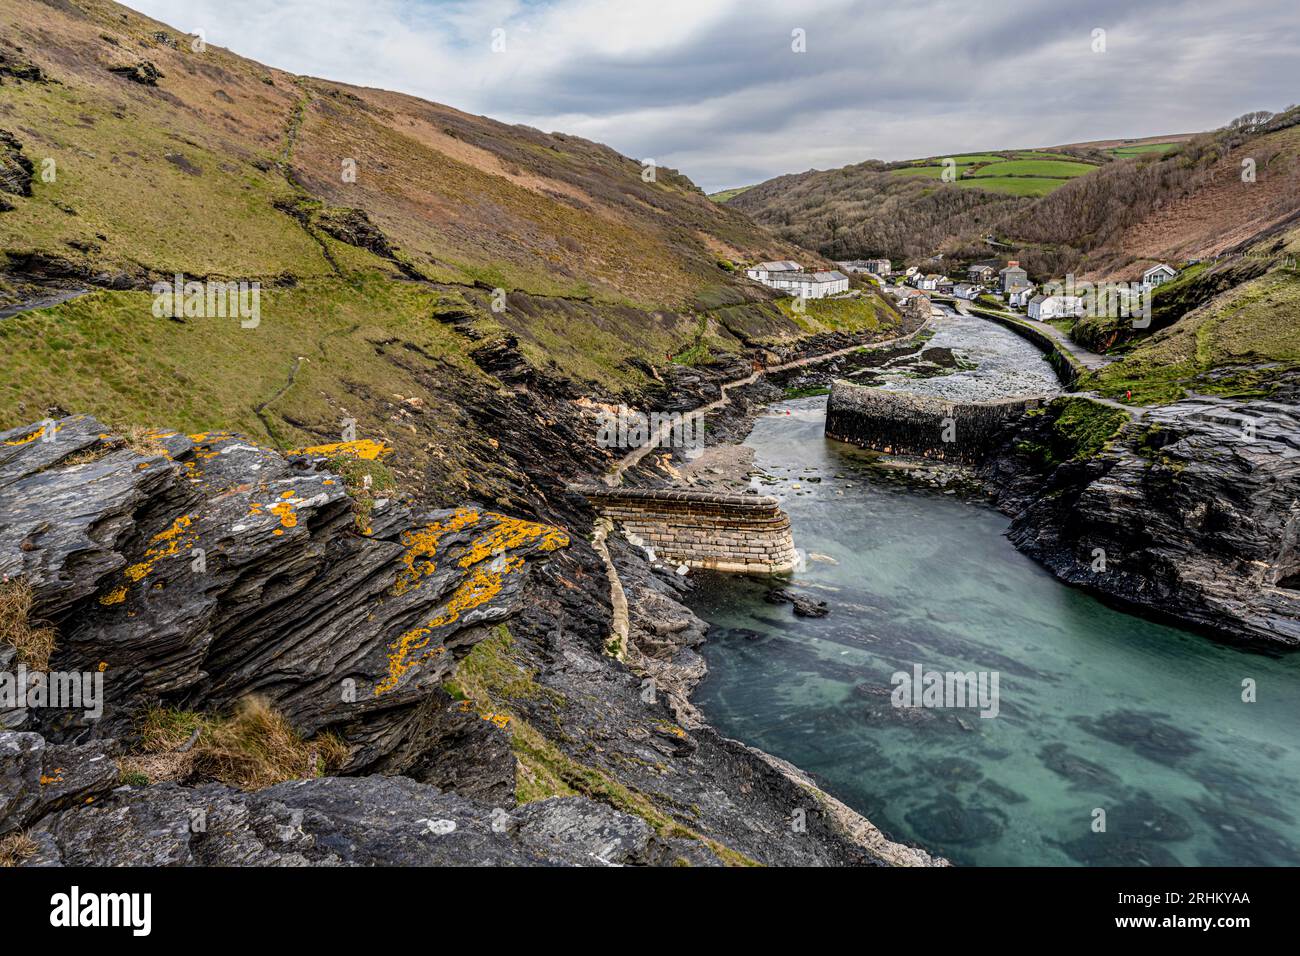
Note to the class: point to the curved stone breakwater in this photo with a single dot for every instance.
(900, 423)
(701, 529)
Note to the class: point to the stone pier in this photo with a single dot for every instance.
(701, 529)
(924, 426)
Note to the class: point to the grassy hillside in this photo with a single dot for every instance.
(1237, 332)
(415, 261)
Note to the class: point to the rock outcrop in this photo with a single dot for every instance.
(1191, 512)
(345, 821)
(206, 569)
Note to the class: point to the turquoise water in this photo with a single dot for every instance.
(1099, 710)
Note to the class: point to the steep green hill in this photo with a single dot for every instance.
(414, 260)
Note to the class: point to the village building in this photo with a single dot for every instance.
(877, 267)
(1045, 307)
(1158, 275)
(1013, 277)
(1019, 298)
(810, 285)
(982, 272)
(968, 291)
(764, 270)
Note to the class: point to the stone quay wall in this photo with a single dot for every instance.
(924, 426)
(701, 529)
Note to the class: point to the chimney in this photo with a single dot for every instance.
(1013, 263)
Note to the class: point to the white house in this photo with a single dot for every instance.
(810, 285)
(1044, 307)
(1019, 298)
(928, 282)
(1158, 275)
(765, 270)
(965, 290)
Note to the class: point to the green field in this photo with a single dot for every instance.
(723, 195)
(1016, 173)
(1141, 148)
(1053, 169)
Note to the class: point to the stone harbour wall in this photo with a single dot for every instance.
(899, 423)
(720, 532)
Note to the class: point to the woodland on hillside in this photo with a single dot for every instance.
(866, 210)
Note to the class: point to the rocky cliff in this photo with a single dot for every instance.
(451, 662)
(1190, 512)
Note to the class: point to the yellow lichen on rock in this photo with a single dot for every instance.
(284, 511)
(115, 596)
(482, 584)
(364, 449)
(422, 545)
(511, 533)
(40, 432)
(165, 544)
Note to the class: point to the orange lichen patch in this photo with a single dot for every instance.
(33, 436)
(284, 511)
(481, 586)
(166, 544)
(511, 533)
(57, 778)
(115, 596)
(422, 545)
(364, 449)
(103, 666)
(501, 720)
(287, 494)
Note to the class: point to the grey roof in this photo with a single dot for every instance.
(781, 265)
(1011, 269)
(815, 276)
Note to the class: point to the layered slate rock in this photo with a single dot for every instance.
(344, 821)
(1192, 512)
(37, 778)
(217, 569)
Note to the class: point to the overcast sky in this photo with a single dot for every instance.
(715, 88)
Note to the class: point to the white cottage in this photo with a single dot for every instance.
(765, 270)
(1019, 298)
(1044, 307)
(811, 285)
(1158, 275)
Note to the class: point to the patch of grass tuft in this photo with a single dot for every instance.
(16, 848)
(252, 749)
(33, 640)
